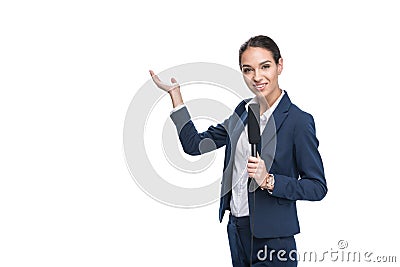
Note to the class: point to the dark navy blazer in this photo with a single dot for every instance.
(289, 148)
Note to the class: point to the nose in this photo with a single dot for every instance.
(257, 76)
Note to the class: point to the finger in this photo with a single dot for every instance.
(251, 174)
(174, 84)
(251, 170)
(260, 160)
(252, 165)
(253, 159)
(173, 80)
(155, 77)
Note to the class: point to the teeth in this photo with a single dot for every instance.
(261, 86)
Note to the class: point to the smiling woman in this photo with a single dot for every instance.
(286, 170)
(261, 63)
(261, 74)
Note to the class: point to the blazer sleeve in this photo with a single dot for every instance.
(195, 143)
(312, 183)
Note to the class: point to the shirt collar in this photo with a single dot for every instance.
(271, 109)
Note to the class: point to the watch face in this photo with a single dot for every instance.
(271, 179)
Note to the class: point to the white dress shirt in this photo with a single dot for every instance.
(239, 201)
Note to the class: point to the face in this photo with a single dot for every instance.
(260, 71)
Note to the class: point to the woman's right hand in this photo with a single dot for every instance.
(173, 89)
(163, 86)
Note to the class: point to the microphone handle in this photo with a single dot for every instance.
(253, 150)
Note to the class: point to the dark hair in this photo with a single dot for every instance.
(263, 42)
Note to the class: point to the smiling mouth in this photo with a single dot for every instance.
(260, 86)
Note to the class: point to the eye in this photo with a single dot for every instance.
(246, 70)
(264, 67)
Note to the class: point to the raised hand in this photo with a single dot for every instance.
(163, 86)
(173, 89)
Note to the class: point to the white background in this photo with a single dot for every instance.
(69, 69)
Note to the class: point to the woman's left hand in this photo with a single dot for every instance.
(257, 170)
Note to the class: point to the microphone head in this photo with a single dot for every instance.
(253, 123)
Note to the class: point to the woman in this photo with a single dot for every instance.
(262, 224)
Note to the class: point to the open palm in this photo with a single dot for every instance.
(163, 86)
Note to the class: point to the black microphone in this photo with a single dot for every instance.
(253, 132)
(253, 127)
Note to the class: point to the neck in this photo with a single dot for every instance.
(269, 100)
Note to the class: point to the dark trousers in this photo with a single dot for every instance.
(249, 251)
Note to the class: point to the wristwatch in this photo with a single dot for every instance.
(270, 180)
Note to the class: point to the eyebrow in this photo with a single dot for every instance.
(266, 61)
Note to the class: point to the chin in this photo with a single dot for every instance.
(264, 93)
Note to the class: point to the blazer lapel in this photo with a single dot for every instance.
(275, 121)
(240, 124)
(239, 127)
